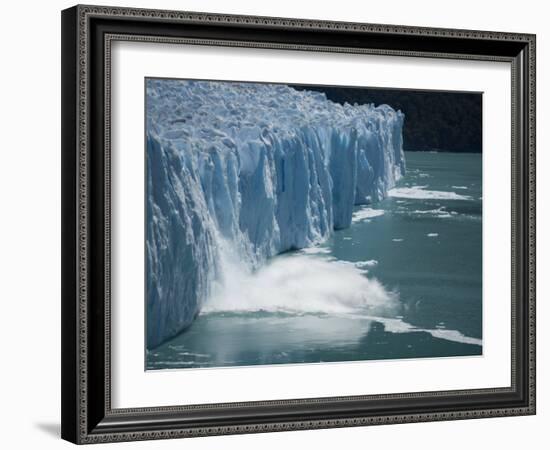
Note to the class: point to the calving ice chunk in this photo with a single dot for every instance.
(239, 172)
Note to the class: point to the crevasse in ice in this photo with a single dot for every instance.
(246, 171)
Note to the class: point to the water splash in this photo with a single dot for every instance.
(301, 284)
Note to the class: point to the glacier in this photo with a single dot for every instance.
(240, 172)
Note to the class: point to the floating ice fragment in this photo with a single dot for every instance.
(315, 250)
(369, 263)
(437, 212)
(399, 326)
(420, 192)
(366, 213)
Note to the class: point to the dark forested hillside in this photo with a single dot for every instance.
(434, 120)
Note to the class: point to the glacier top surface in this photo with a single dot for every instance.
(206, 114)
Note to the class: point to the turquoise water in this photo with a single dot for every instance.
(404, 281)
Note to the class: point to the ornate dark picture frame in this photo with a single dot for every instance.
(87, 34)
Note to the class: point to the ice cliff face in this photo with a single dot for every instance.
(239, 172)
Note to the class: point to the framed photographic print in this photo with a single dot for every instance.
(277, 224)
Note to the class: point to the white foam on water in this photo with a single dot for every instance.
(397, 240)
(430, 211)
(369, 263)
(420, 193)
(301, 284)
(440, 212)
(459, 187)
(366, 213)
(396, 325)
(432, 234)
(399, 326)
(196, 355)
(177, 364)
(455, 336)
(315, 250)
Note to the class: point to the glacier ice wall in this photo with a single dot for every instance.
(243, 171)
